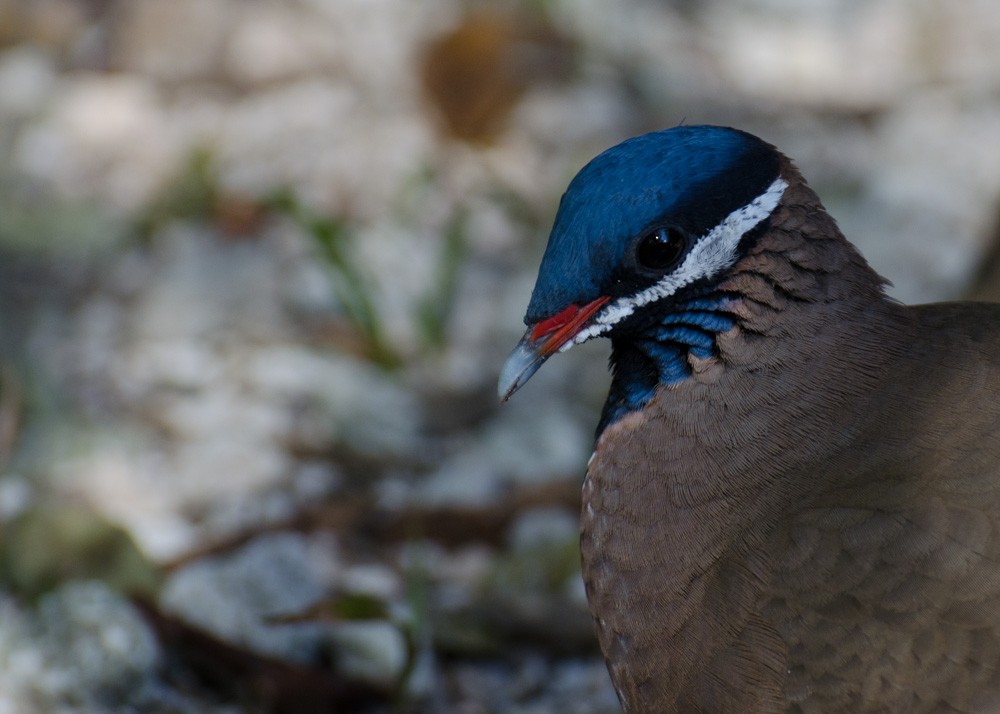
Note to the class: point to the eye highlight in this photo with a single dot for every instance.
(661, 250)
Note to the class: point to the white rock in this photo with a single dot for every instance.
(372, 579)
(372, 650)
(93, 644)
(232, 596)
(105, 138)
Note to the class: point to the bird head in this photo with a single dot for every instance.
(643, 235)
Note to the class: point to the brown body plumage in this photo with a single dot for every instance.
(783, 547)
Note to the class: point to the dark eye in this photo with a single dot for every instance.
(661, 249)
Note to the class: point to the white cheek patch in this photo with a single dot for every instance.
(712, 253)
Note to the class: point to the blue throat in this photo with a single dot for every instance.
(657, 355)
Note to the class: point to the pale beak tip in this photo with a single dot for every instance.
(524, 361)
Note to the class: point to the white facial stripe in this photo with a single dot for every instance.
(712, 253)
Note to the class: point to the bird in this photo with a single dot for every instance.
(793, 503)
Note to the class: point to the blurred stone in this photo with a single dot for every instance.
(27, 76)
(578, 685)
(391, 31)
(22, 663)
(531, 686)
(242, 597)
(938, 188)
(173, 41)
(100, 635)
(210, 469)
(123, 477)
(236, 596)
(957, 46)
(535, 445)
(313, 481)
(324, 141)
(458, 573)
(808, 54)
(482, 688)
(340, 400)
(538, 526)
(273, 42)
(16, 494)
(84, 649)
(371, 579)
(203, 288)
(374, 651)
(104, 137)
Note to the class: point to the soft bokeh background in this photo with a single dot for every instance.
(260, 262)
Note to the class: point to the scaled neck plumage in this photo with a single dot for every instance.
(666, 351)
(722, 449)
(780, 269)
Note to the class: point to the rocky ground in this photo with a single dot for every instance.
(260, 263)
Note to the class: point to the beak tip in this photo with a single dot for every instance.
(524, 361)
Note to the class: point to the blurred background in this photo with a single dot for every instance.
(261, 261)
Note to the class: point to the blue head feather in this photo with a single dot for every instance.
(689, 178)
(692, 176)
